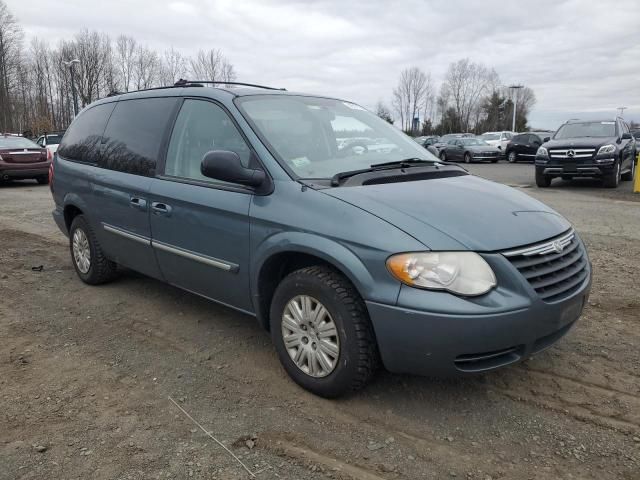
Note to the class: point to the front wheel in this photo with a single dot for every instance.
(542, 180)
(512, 156)
(467, 158)
(322, 333)
(612, 180)
(443, 156)
(629, 175)
(89, 261)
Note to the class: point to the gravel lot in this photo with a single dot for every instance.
(86, 372)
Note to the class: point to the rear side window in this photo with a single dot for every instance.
(520, 138)
(134, 135)
(81, 142)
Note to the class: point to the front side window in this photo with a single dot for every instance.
(319, 137)
(491, 136)
(201, 127)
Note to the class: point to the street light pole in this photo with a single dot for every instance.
(515, 104)
(622, 109)
(70, 64)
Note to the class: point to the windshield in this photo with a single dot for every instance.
(17, 142)
(586, 129)
(491, 136)
(53, 139)
(319, 137)
(474, 141)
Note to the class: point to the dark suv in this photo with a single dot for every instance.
(603, 149)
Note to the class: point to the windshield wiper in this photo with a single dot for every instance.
(405, 163)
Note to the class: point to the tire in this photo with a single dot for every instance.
(612, 180)
(628, 176)
(354, 341)
(42, 180)
(443, 156)
(567, 177)
(100, 268)
(542, 180)
(495, 160)
(512, 156)
(467, 158)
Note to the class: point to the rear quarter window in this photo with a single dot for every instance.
(134, 135)
(81, 142)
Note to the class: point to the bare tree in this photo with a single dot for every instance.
(125, 56)
(92, 49)
(212, 65)
(173, 68)
(468, 83)
(11, 36)
(411, 95)
(383, 112)
(146, 68)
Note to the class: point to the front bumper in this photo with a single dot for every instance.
(588, 168)
(432, 342)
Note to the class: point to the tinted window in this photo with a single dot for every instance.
(82, 140)
(201, 126)
(586, 129)
(535, 138)
(520, 138)
(134, 134)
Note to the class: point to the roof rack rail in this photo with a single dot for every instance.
(113, 93)
(192, 83)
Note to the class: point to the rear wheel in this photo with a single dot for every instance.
(87, 256)
(512, 156)
(542, 180)
(443, 156)
(322, 333)
(612, 180)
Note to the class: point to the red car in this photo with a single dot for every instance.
(21, 158)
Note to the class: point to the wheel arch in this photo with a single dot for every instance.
(280, 256)
(72, 207)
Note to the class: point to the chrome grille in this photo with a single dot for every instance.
(576, 153)
(555, 268)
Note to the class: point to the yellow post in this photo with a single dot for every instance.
(636, 181)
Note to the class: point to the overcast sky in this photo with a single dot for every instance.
(581, 58)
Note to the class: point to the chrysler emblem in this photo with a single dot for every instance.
(571, 153)
(557, 246)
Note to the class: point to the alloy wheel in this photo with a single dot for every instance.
(310, 336)
(81, 250)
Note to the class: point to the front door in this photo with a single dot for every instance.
(200, 226)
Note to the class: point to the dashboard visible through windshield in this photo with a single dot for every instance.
(318, 137)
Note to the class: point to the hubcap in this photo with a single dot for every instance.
(81, 251)
(310, 336)
(512, 157)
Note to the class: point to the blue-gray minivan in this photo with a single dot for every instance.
(350, 243)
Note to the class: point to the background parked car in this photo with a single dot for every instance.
(524, 146)
(425, 141)
(50, 141)
(498, 139)
(21, 158)
(469, 150)
(444, 139)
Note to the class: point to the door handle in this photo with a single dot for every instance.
(139, 203)
(161, 209)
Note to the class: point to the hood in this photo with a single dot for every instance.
(458, 213)
(580, 142)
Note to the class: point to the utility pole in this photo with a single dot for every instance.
(70, 64)
(515, 88)
(622, 109)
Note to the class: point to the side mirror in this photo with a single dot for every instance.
(227, 166)
(546, 139)
(626, 136)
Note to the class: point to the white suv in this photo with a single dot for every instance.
(498, 139)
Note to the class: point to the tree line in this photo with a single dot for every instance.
(35, 80)
(470, 99)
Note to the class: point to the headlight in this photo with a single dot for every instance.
(463, 273)
(542, 152)
(606, 149)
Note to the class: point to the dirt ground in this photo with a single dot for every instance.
(86, 372)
